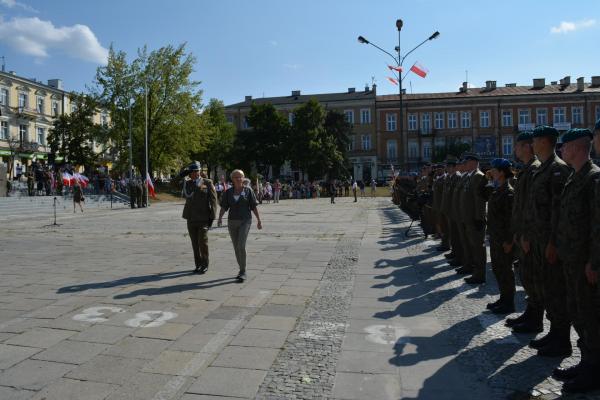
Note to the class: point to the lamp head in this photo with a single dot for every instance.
(362, 40)
(399, 24)
(435, 35)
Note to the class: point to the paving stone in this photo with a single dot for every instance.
(33, 374)
(103, 334)
(228, 313)
(71, 352)
(260, 338)
(108, 369)
(232, 382)
(69, 389)
(135, 347)
(296, 290)
(140, 386)
(168, 331)
(281, 310)
(270, 322)
(289, 300)
(11, 355)
(246, 357)
(8, 393)
(361, 386)
(40, 337)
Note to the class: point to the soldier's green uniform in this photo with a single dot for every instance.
(424, 195)
(534, 314)
(573, 244)
(474, 216)
(144, 194)
(458, 212)
(547, 185)
(448, 213)
(200, 211)
(139, 192)
(499, 213)
(441, 219)
(133, 196)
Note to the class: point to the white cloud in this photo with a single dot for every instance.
(16, 4)
(38, 38)
(567, 26)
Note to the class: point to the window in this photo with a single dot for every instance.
(413, 149)
(465, 119)
(484, 119)
(291, 117)
(412, 122)
(452, 120)
(41, 135)
(559, 115)
(577, 115)
(23, 133)
(440, 143)
(507, 118)
(597, 113)
(390, 121)
(524, 117)
(55, 108)
(426, 122)
(439, 120)
(4, 97)
(365, 116)
(23, 100)
(391, 150)
(349, 114)
(246, 125)
(507, 146)
(427, 150)
(352, 143)
(541, 116)
(4, 130)
(366, 142)
(40, 104)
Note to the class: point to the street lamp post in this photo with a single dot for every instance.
(399, 60)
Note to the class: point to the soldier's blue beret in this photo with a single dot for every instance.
(525, 135)
(544, 130)
(576, 133)
(470, 156)
(597, 124)
(500, 163)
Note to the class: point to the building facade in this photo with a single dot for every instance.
(357, 106)
(27, 111)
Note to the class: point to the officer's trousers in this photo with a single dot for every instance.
(527, 277)
(502, 269)
(199, 235)
(455, 240)
(444, 228)
(477, 251)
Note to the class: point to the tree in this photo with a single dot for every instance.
(340, 129)
(454, 149)
(73, 135)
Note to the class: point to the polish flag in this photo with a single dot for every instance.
(150, 186)
(397, 69)
(67, 179)
(82, 179)
(419, 70)
(393, 80)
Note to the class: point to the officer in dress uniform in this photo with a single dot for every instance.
(446, 207)
(200, 211)
(464, 263)
(573, 245)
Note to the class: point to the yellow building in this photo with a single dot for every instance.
(28, 108)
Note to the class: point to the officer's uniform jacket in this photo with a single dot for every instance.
(500, 205)
(521, 202)
(201, 206)
(473, 202)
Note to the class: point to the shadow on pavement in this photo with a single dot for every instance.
(176, 288)
(124, 281)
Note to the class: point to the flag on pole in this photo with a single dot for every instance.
(150, 186)
(419, 70)
(397, 69)
(82, 179)
(67, 179)
(393, 80)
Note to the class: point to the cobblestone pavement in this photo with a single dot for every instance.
(338, 305)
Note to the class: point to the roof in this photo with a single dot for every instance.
(303, 98)
(499, 91)
(31, 81)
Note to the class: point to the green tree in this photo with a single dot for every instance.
(453, 149)
(73, 135)
(340, 129)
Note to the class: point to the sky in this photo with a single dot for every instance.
(267, 48)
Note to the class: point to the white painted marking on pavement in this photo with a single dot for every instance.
(95, 314)
(174, 385)
(150, 319)
(385, 334)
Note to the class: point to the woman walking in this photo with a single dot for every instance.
(77, 195)
(241, 202)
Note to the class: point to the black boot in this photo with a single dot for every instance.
(464, 270)
(450, 255)
(455, 263)
(504, 307)
(541, 342)
(558, 346)
(474, 280)
(493, 304)
(510, 322)
(442, 248)
(586, 380)
(567, 373)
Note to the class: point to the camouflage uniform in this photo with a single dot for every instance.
(546, 187)
(133, 193)
(424, 194)
(139, 191)
(447, 212)
(441, 219)
(500, 206)
(573, 243)
(458, 213)
(473, 205)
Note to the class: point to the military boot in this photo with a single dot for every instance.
(455, 263)
(506, 306)
(450, 255)
(464, 270)
(534, 323)
(493, 304)
(567, 373)
(510, 322)
(558, 346)
(585, 381)
(541, 342)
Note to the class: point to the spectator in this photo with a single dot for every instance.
(354, 189)
(276, 191)
(373, 187)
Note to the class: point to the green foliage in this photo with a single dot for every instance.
(72, 135)
(454, 149)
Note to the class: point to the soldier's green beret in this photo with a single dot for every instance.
(544, 130)
(597, 126)
(525, 135)
(500, 163)
(576, 133)
(470, 156)
(451, 160)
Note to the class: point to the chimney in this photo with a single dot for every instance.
(248, 98)
(566, 81)
(463, 88)
(351, 90)
(12, 73)
(553, 83)
(539, 83)
(580, 84)
(511, 85)
(595, 81)
(295, 93)
(374, 88)
(490, 85)
(55, 83)
(366, 88)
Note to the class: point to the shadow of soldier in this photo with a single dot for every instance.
(130, 280)
(151, 291)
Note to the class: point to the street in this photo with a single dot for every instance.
(338, 304)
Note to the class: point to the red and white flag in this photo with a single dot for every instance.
(82, 179)
(67, 179)
(419, 70)
(150, 186)
(397, 69)
(393, 80)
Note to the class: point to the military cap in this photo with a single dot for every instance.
(544, 130)
(451, 160)
(576, 133)
(525, 135)
(468, 156)
(500, 163)
(597, 126)
(194, 166)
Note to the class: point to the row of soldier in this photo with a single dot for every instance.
(543, 217)
(138, 193)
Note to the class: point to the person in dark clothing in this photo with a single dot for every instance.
(332, 190)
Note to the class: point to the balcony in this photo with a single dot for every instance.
(25, 113)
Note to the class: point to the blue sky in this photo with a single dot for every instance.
(272, 47)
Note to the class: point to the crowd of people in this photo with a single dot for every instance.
(542, 218)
